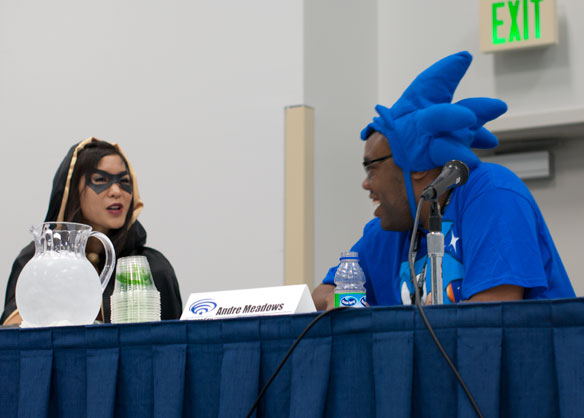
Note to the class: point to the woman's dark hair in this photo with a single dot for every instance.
(87, 160)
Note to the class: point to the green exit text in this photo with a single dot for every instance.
(513, 11)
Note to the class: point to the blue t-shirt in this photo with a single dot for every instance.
(494, 234)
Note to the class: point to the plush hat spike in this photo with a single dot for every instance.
(485, 109)
(434, 85)
(386, 116)
(446, 118)
(484, 139)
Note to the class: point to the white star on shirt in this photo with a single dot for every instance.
(453, 241)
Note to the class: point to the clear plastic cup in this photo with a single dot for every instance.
(133, 273)
(135, 297)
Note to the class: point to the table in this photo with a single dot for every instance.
(519, 359)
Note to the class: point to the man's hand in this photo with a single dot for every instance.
(428, 299)
(324, 297)
(501, 293)
(505, 292)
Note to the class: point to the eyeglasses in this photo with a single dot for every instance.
(367, 164)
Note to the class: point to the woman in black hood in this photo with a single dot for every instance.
(96, 185)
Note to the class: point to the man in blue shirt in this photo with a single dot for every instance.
(497, 245)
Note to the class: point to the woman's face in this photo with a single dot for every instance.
(105, 206)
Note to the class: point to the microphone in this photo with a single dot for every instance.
(454, 174)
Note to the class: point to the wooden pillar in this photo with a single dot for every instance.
(299, 196)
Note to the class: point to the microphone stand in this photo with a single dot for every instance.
(421, 309)
(435, 242)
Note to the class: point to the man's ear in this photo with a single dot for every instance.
(426, 176)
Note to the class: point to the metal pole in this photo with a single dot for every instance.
(435, 240)
(436, 253)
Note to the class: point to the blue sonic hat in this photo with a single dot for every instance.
(425, 130)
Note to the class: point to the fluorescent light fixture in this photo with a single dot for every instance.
(527, 165)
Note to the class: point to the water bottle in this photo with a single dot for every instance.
(350, 281)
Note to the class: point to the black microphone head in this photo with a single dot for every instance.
(454, 174)
(462, 168)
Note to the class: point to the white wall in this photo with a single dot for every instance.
(195, 94)
(341, 84)
(561, 200)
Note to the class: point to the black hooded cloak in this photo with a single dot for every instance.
(135, 244)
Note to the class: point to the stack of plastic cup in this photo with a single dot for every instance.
(135, 298)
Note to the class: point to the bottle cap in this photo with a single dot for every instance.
(349, 255)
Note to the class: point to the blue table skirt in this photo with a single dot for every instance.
(519, 359)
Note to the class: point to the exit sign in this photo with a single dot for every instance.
(517, 24)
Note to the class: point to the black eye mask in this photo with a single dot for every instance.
(108, 180)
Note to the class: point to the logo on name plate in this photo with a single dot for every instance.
(203, 306)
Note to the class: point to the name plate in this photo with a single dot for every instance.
(281, 300)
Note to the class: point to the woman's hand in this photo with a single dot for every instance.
(14, 319)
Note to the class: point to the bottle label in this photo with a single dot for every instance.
(351, 300)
